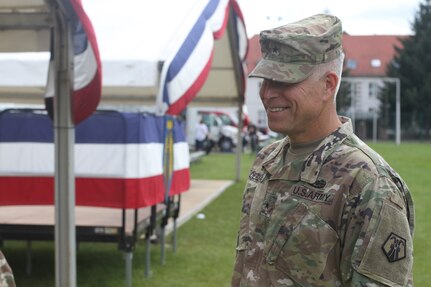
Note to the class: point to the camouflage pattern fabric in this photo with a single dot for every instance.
(340, 216)
(291, 52)
(6, 276)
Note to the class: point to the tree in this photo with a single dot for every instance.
(412, 64)
(343, 100)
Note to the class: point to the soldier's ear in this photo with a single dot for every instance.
(331, 82)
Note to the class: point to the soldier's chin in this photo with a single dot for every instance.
(276, 127)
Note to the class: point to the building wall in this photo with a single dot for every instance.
(364, 96)
(254, 105)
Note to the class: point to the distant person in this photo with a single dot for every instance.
(6, 275)
(253, 138)
(320, 207)
(201, 134)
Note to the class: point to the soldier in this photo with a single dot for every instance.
(320, 207)
(6, 276)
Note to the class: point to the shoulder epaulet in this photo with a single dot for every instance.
(267, 150)
(381, 165)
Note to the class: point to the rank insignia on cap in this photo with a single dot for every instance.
(394, 248)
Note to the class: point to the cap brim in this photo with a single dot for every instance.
(282, 72)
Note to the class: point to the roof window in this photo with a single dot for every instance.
(352, 64)
(376, 63)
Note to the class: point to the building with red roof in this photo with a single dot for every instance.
(369, 55)
(366, 60)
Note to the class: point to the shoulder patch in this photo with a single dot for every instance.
(394, 247)
(389, 254)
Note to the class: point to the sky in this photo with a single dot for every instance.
(144, 29)
(363, 17)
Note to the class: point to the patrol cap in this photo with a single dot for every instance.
(290, 52)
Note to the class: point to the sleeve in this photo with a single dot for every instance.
(6, 275)
(243, 238)
(378, 245)
(255, 178)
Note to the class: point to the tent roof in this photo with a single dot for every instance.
(125, 83)
(24, 26)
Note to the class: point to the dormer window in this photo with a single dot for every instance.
(352, 64)
(376, 63)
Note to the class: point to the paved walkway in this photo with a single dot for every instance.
(201, 193)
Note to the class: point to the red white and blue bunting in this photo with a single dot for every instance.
(185, 70)
(119, 159)
(87, 77)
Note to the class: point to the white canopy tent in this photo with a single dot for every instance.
(125, 82)
(25, 26)
(132, 83)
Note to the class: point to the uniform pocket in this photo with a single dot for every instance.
(239, 265)
(247, 199)
(302, 245)
(241, 250)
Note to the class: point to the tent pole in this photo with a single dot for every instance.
(239, 140)
(233, 39)
(398, 113)
(64, 139)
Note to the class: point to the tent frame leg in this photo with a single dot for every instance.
(29, 258)
(128, 256)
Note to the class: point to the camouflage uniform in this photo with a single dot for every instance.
(341, 216)
(6, 276)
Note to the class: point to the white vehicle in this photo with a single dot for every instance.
(222, 128)
(222, 135)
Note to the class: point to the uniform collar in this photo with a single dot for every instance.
(309, 169)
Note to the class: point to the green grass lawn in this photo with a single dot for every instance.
(206, 247)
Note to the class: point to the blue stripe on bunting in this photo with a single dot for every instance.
(179, 131)
(25, 126)
(106, 127)
(79, 37)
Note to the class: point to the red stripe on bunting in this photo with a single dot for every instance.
(119, 193)
(218, 34)
(86, 100)
(180, 181)
(101, 192)
(26, 190)
(182, 102)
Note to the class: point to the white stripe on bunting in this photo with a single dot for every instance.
(91, 160)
